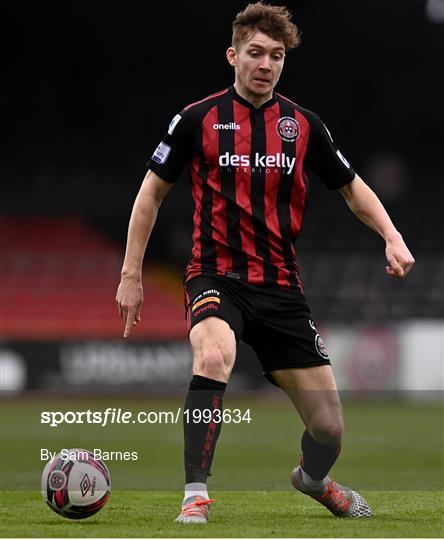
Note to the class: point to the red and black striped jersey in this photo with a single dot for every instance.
(248, 168)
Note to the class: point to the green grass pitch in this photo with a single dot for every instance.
(392, 454)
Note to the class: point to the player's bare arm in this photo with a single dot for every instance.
(364, 203)
(129, 296)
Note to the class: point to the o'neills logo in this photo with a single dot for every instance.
(230, 125)
(280, 161)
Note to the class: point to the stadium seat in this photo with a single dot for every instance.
(59, 280)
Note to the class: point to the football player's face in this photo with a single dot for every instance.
(258, 64)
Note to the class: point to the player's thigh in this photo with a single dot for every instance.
(306, 378)
(212, 340)
(215, 318)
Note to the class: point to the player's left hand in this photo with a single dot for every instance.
(399, 258)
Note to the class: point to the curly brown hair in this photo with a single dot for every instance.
(274, 21)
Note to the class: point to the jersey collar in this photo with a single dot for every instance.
(240, 99)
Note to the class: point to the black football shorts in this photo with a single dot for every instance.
(275, 321)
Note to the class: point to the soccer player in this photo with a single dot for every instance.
(249, 150)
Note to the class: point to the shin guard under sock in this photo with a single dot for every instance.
(202, 425)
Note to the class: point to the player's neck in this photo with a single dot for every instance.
(256, 100)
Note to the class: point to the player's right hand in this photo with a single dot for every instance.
(129, 299)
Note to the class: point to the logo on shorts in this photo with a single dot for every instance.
(211, 295)
(319, 344)
(288, 128)
(320, 347)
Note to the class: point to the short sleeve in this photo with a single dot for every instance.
(176, 148)
(324, 158)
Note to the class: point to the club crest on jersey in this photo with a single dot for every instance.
(288, 128)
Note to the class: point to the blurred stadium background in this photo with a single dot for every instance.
(88, 92)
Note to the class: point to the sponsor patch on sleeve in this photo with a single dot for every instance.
(161, 153)
(174, 123)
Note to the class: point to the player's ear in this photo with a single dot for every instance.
(232, 56)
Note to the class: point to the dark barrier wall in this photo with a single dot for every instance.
(100, 367)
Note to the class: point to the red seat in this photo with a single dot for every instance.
(59, 280)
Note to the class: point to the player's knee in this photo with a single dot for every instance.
(328, 431)
(214, 363)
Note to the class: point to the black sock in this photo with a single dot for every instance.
(317, 458)
(201, 436)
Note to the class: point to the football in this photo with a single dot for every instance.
(75, 484)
